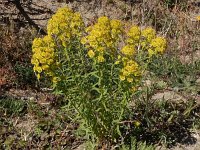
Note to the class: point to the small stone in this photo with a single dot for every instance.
(198, 81)
(168, 95)
(148, 82)
(81, 147)
(32, 98)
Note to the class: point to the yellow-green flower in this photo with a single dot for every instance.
(149, 34)
(43, 54)
(130, 71)
(128, 50)
(83, 40)
(116, 28)
(37, 69)
(122, 77)
(55, 79)
(130, 80)
(136, 123)
(117, 62)
(65, 25)
(158, 44)
(103, 37)
(91, 53)
(134, 35)
(100, 58)
(133, 89)
(151, 52)
(38, 76)
(198, 18)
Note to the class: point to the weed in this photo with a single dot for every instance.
(25, 74)
(161, 122)
(12, 106)
(174, 72)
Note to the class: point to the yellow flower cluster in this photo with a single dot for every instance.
(137, 38)
(128, 50)
(148, 34)
(43, 54)
(103, 38)
(134, 35)
(132, 41)
(198, 18)
(65, 25)
(145, 38)
(62, 28)
(157, 45)
(130, 71)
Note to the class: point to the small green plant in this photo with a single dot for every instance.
(161, 121)
(12, 106)
(97, 68)
(173, 3)
(134, 145)
(174, 72)
(25, 73)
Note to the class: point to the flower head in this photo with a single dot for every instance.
(158, 44)
(103, 37)
(128, 50)
(91, 53)
(43, 54)
(134, 35)
(65, 25)
(130, 71)
(198, 18)
(149, 34)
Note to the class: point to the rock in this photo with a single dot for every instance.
(198, 81)
(168, 95)
(81, 147)
(148, 83)
(32, 98)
